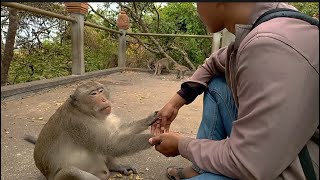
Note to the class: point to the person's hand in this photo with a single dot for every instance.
(167, 114)
(166, 144)
(164, 119)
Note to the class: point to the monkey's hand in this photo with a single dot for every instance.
(152, 118)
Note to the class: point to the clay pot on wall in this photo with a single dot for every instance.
(123, 21)
(77, 7)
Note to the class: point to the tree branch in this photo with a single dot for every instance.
(158, 17)
(104, 18)
(144, 45)
(185, 56)
(146, 30)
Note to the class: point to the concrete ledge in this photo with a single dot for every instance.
(151, 71)
(34, 86)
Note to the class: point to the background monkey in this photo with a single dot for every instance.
(82, 138)
(160, 65)
(151, 64)
(181, 70)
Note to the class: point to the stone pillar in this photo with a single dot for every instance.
(123, 25)
(77, 10)
(216, 37)
(227, 38)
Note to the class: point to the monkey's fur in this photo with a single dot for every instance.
(181, 70)
(82, 138)
(161, 65)
(151, 64)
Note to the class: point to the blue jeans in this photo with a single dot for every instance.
(219, 111)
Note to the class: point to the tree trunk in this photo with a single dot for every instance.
(9, 46)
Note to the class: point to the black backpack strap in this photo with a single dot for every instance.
(283, 12)
(306, 164)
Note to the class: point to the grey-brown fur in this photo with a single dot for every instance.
(181, 70)
(151, 64)
(161, 65)
(80, 142)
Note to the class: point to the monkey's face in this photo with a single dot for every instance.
(92, 98)
(100, 102)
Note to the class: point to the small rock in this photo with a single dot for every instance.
(139, 178)
(118, 176)
(40, 118)
(18, 154)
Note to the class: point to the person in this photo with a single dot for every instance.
(261, 99)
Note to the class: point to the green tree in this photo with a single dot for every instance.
(310, 8)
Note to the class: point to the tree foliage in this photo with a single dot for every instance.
(309, 8)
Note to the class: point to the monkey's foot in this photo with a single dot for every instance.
(124, 169)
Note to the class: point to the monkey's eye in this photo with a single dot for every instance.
(93, 93)
(101, 91)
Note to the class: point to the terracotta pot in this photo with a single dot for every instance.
(77, 7)
(123, 20)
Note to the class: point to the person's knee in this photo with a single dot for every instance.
(219, 85)
(211, 176)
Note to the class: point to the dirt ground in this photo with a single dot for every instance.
(134, 95)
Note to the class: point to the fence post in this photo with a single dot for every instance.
(216, 37)
(227, 38)
(77, 11)
(123, 25)
(122, 56)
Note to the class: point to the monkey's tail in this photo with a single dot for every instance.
(30, 139)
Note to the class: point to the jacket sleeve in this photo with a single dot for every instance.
(214, 65)
(278, 94)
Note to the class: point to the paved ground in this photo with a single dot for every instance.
(134, 95)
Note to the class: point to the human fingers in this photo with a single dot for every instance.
(155, 141)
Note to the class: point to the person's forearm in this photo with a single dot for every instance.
(190, 90)
(177, 101)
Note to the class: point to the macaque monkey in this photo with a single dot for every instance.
(82, 138)
(160, 65)
(151, 64)
(181, 70)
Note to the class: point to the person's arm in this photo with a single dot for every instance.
(197, 83)
(278, 95)
(190, 89)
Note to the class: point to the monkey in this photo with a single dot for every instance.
(151, 64)
(160, 65)
(82, 138)
(181, 70)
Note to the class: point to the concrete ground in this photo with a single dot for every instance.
(134, 95)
